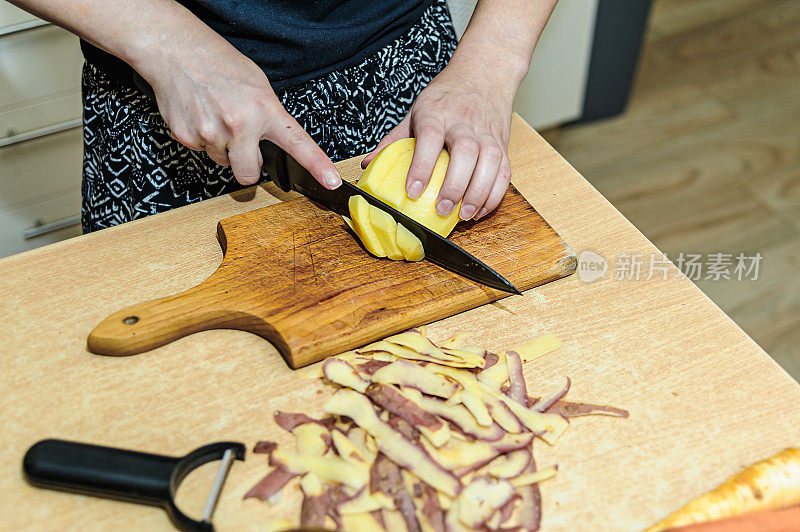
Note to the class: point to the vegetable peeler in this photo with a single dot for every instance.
(129, 475)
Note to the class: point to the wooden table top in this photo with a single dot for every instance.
(704, 398)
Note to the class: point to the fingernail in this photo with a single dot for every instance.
(444, 207)
(481, 213)
(332, 179)
(415, 189)
(467, 211)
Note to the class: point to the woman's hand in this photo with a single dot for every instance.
(212, 97)
(472, 119)
(467, 108)
(217, 100)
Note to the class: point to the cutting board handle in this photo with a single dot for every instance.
(151, 324)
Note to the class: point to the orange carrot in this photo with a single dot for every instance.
(766, 485)
(785, 520)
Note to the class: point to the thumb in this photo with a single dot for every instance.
(400, 131)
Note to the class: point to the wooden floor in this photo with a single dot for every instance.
(707, 157)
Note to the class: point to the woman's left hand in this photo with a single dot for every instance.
(472, 118)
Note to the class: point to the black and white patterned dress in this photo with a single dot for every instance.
(132, 167)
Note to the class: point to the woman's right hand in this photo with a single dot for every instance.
(212, 97)
(215, 99)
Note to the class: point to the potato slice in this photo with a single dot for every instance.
(362, 225)
(386, 229)
(347, 450)
(429, 511)
(363, 443)
(388, 478)
(549, 427)
(456, 341)
(472, 356)
(537, 347)
(477, 408)
(277, 524)
(314, 512)
(271, 485)
(409, 245)
(394, 521)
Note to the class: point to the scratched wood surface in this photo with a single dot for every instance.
(704, 398)
(293, 274)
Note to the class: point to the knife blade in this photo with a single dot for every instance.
(288, 174)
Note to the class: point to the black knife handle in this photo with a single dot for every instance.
(276, 164)
(100, 471)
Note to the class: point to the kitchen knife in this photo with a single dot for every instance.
(288, 174)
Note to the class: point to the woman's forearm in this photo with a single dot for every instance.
(500, 39)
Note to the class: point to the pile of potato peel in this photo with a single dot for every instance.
(422, 437)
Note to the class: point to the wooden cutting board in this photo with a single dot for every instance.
(294, 275)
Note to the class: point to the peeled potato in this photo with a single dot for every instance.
(393, 189)
(386, 229)
(385, 178)
(423, 210)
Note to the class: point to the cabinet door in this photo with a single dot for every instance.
(27, 227)
(40, 185)
(40, 72)
(14, 19)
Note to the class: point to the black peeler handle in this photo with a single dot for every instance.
(121, 474)
(101, 471)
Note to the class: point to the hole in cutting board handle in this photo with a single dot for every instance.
(131, 320)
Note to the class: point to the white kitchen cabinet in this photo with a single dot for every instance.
(13, 19)
(40, 134)
(40, 191)
(553, 90)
